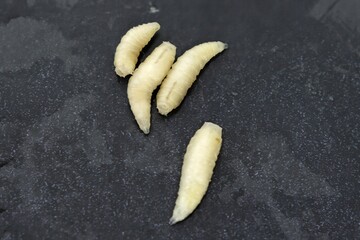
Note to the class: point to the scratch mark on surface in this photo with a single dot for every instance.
(329, 9)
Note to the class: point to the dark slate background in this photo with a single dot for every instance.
(74, 165)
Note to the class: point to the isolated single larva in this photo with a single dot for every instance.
(183, 74)
(199, 162)
(129, 48)
(146, 78)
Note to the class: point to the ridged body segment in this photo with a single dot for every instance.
(199, 162)
(183, 74)
(146, 78)
(130, 46)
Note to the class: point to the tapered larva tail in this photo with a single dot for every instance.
(129, 48)
(183, 74)
(146, 78)
(199, 162)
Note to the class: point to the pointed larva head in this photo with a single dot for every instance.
(222, 46)
(146, 130)
(172, 221)
(155, 25)
(177, 216)
(144, 124)
(169, 45)
(151, 26)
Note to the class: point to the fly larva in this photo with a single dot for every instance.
(197, 169)
(183, 74)
(128, 50)
(146, 78)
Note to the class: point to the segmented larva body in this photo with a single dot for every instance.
(199, 162)
(146, 78)
(183, 74)
(130, 46)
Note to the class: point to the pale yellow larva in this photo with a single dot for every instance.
(146, 78)
(183, 74)
(130, 46)
(199, 162)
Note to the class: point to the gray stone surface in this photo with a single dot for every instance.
(74, 165)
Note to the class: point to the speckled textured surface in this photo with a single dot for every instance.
(74, 165)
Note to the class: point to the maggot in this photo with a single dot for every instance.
(199, 162)
(146, 78)
(183, 74)
(130, 46)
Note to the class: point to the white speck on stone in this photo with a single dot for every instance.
(274, 49)
(153, 9)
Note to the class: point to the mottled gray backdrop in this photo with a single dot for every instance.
(74, 165)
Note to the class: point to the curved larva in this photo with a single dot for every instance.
(146, 78)
(199, 162)
(129, 48)
(183, 74)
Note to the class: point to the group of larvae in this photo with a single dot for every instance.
(175, 80)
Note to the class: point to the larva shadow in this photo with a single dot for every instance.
(121, 80)
(3, 164)
(6, 161)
